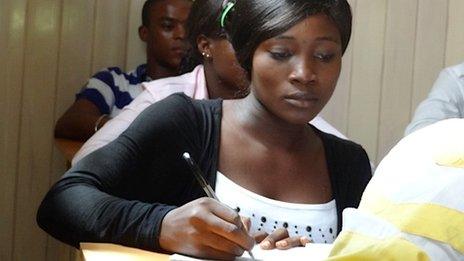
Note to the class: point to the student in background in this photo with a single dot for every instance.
(445, 101)
(211, 71)
(108, 91)
(259, 153)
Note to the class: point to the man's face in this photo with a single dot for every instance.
(165, 33)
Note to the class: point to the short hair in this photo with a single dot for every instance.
(203, 20)
(146, 11)
(254, 21)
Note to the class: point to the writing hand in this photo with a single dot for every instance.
(205, 228)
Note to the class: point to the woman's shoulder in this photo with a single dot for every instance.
(345, 154)
(338, 144)
(173, 118)
(181, 102)
(179, 111)
(349, 166)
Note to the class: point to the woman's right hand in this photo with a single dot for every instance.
(205, 228)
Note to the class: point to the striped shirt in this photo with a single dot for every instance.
(112, 89)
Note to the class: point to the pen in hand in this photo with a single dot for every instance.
(206, 187)
(199, 177)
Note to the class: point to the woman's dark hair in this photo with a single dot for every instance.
(254, 21)
(203, 20)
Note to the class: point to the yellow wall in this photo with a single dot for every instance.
(49, 48)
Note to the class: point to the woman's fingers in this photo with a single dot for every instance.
(205, 228)
(223, 244)
(260, 236)
(292, 242)
(226, 223)
(305, 240)
(231, 231)
(247, 222)
(270, 241)
(281, 240)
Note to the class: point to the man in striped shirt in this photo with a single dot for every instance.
(108, 91)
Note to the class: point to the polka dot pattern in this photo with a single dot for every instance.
(323, 234)
(318, 222)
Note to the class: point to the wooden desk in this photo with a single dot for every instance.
(68, 147)
(99, 251)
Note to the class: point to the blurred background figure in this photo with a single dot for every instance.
(108, 91)
(445, 101)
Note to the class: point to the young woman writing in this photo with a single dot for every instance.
(138, 191)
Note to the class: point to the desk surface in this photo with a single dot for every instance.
(99, 251)
(68, 147)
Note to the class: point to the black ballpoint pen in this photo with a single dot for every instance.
(206, 187)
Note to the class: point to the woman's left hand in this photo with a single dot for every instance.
(280, 239)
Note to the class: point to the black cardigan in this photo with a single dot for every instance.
(121, 192)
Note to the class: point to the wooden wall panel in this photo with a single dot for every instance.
(135, 52)
(336, 110)
(12, 29)
(368, 42)
(75, 51)
(429, 48)
(110, 35)
(455, 37)
(397, 73)
(74, 62)
(40, 69)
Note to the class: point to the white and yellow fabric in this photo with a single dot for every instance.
(413, 208)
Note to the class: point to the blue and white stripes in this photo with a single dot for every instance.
(112, 89)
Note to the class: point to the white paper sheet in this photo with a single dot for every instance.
(312, 252)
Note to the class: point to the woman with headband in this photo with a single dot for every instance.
(258, 153)
(211, 71)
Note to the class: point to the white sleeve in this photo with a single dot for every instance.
(113, 128)
(445, 101)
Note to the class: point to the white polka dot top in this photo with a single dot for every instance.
(316, 221)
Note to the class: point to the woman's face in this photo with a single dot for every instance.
(294, 74)
(228, 70)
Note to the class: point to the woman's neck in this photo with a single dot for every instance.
(254, 119)
(216, 87)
